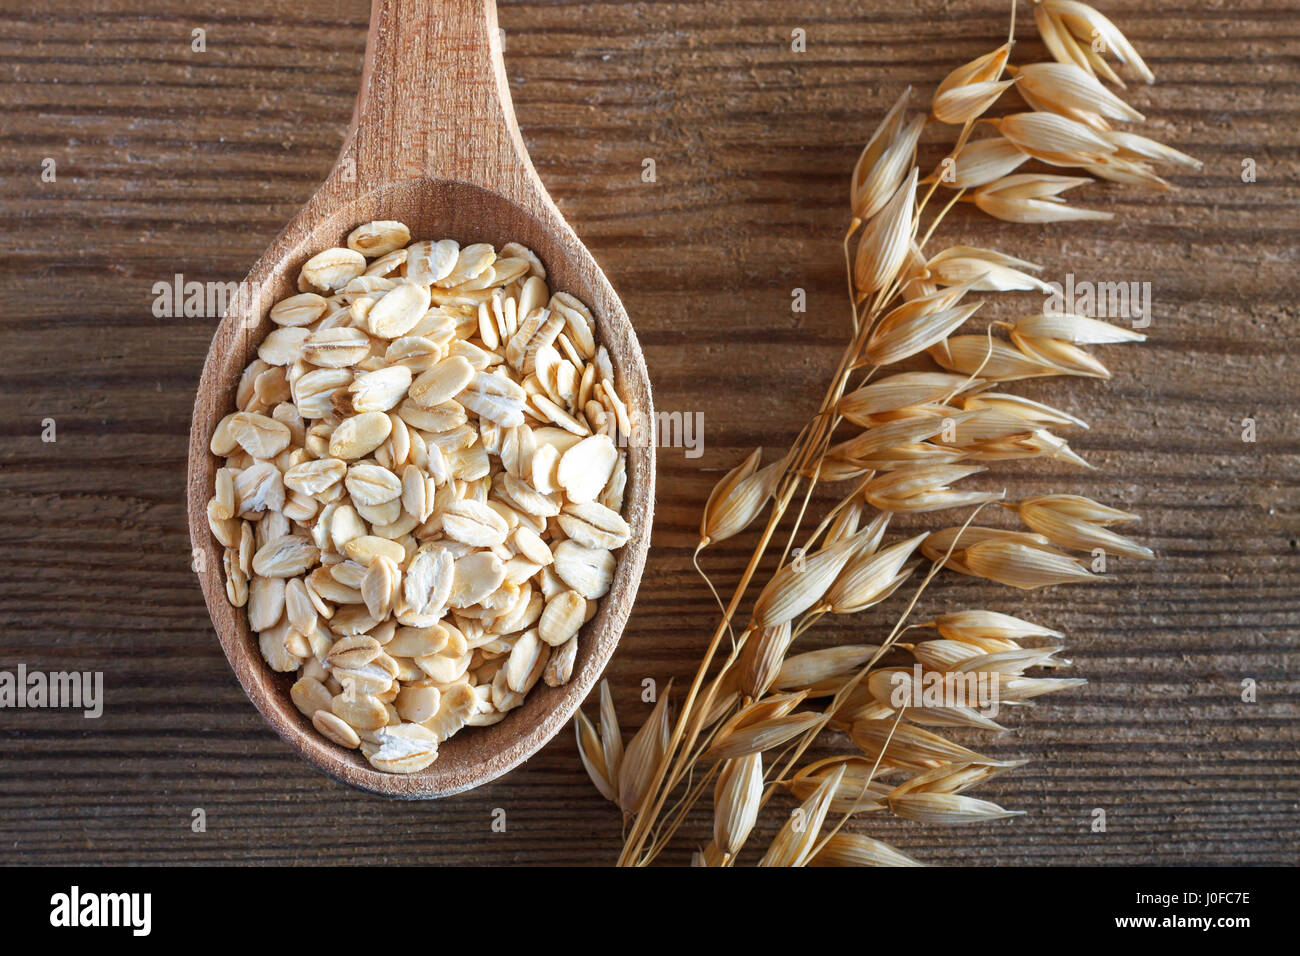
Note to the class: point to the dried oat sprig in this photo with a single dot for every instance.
(1077, 33)
(905, 440)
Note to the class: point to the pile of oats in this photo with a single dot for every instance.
(421, 497)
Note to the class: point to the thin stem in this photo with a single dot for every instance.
(669, 828)
(866, 786)
(848, 269)
(808, 442)
(636, 840)
(939, 218)
(695, 560)
(851, 684)
(798, 520)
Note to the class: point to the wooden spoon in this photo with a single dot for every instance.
(433, 143)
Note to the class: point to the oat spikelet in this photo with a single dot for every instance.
(1066, 356)
(909, 746)
(870, 578)
(973, 625)
(981, 161)
(736, 799)
(722, 489)
(990, 359)
(948, 809)
(1078, 329)
(611, 736)
(755, 738)
(1085, 26)
(642, 755)
(738, 499)
(1075, 522)
(858, 790)
(593, 758)
(972, 88)
(903, 431)
(801, 583)
(795, 841)
(938, 545)
(960, 657)
(813, 667)
(917, 490)
(899, 687)
(985, 269)
(854, 849)
(1023, 566)
(899, 391)
(1032, 198)
(964, 104)
(885, 160)
(1073, 92)
(1054, 139)
(911, 329)
(885, 241)
(760, 661)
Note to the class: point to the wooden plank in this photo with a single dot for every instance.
(172, 161)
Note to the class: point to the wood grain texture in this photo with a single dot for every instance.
(174, 161)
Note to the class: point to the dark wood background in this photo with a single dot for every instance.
(173, 161)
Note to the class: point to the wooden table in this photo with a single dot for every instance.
(169, 160)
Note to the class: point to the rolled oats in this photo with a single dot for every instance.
(398, 311)
(442, 382)
(586, 467)
(360, 710)
(380, 390)
(285, 557)
(335, 348)
(562, 617)
(593, 525)
(359, 435)
(260, 436)
(377, 239)
(309, 695)
(560, 666)
(335, 728)
(589, 571)
(420, 500)
(332, 269)
(302, 309)
(224, 507)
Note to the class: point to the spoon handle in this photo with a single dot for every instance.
(435, 103)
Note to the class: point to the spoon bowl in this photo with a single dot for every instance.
(433, 144)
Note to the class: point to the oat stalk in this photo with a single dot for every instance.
(902, 442)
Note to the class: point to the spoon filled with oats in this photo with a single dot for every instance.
(421, 470)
